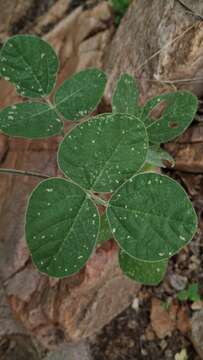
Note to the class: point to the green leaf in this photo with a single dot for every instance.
(120, 6)
(105, 231)
(191, 294)
(30, 64)
(30, 120)
(103, 152)
(62, 225)
(80, 95)
(125, 97)
(147, 273)
(151, 217)
(179, 111)
(182, 295)
(157, 156)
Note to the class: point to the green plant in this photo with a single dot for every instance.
(119, 8)
(190, 294)
(107, 156)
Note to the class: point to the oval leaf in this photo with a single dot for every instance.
(178, 111)
(80, 95)
(31, 64)
(125, 97)
(151, 217)
(30, 120)
(104, 151)
(144, 272)
(61, 227)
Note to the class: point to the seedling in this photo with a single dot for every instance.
(190, 294)
(104, 160)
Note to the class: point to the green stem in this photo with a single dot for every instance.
(44, 176)
(57, 113)
(24, 172)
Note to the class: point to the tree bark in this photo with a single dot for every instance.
(160, 43)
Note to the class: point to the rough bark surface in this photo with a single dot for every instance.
(158, 42)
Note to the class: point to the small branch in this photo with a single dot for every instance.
(24, 173)
(164, 47)
(200, 80)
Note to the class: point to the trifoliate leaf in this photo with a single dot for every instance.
(80, 95)
(151, 217)
(103, 152)
(31, 64)
(62, 225)
(30, 120)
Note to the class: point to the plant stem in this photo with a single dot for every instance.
(98, 199)
(24, 172)
(47, 100)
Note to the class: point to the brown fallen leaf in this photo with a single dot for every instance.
(163, 321)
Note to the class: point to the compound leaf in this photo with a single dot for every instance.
(175, 110)
(30, 120)
(147, 273)
(80, 95)
(151, 217)
(62, 225)
(103, 152)
(125, 97)
(31, 64)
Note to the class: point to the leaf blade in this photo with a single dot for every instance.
(180, 109)
(62, 226)
(151, 217)
(31, 64)
(30, 120)
(80, 95)
(146, 273)
(117, 148)
(125, 97)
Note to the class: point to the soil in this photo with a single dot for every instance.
(125, 339)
